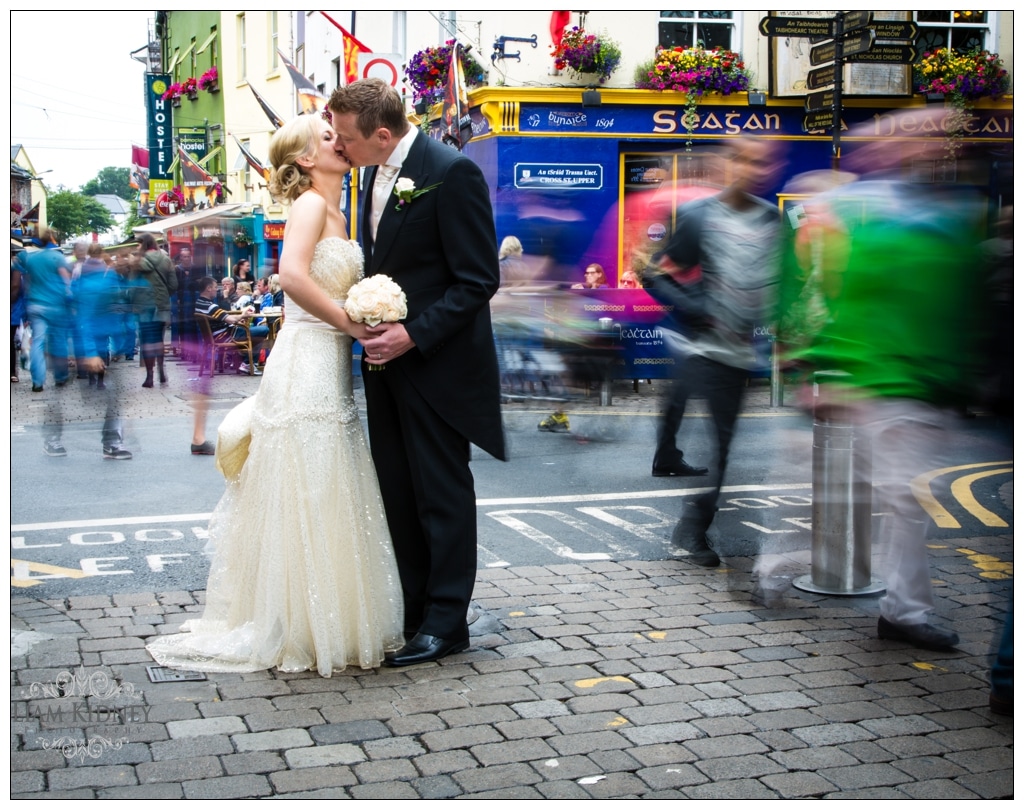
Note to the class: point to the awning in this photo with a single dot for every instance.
(160, 226)
(207, 41)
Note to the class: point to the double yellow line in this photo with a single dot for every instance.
(961, 490)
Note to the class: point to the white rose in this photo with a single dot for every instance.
(376, 299)
(404, 185)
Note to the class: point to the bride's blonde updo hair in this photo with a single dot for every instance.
(296, 139)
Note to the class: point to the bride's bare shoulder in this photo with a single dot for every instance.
(308, 202)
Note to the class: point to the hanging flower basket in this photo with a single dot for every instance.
(695, 72)
(427, 72)
(209, 80)
(962, 79)
(242, 239)
(191, 88)
(587, 54)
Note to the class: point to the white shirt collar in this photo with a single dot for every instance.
(401, 150)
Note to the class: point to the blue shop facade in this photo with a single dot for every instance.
(580, 184)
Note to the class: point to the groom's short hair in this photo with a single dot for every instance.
(375, 103)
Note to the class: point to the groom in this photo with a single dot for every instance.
(438, 389)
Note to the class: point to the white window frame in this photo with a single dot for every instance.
(735, 23)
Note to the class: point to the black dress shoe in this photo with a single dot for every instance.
(423, 648)
(924, 635)
(698, 549)
(678, 468)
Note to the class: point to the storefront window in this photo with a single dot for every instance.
(654, 186)
(959, 30)
(686, 29)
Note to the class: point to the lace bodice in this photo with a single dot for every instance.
(337, 264)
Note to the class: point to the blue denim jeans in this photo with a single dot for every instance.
(50, 332)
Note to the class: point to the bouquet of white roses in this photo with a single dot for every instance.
(374, 300)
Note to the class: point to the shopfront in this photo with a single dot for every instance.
(600, 184)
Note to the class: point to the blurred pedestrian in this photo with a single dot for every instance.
(98, 320)
(47, 279)
(17, 310)
(719, 272)
(156, 269)
(183, 331)
(129, 335)
(78, 251)
(998, 360)
(899, 265)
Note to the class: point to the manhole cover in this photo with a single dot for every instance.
(166, 675)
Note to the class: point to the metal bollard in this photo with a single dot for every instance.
(841, 505)
(608, 326)
(775, 384)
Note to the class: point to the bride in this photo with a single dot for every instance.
(303, 574)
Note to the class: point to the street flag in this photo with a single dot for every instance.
(192, 174)
(458, 126)
(352, 48)
(251, 159)
(559, 21)
(310, 99)
(275, 119)
(193, 178)
(139, 176)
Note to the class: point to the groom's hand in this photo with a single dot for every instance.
(386, 341)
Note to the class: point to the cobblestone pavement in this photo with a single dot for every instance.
(597, 680)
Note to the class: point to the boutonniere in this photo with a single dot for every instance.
(406, 191)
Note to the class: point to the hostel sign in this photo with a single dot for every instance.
(158, 137)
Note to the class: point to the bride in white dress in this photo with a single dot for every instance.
(303, 574)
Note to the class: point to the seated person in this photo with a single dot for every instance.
(227, 295)
(244, 291)
(263, 293)
(222, 321)
(593, 278)
(274, 284)
(629, 281)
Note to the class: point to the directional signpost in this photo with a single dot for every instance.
(842, 48)
(820, 101)
(849, 36)
(804, 27)
(886, 55)
(895, 30)
(814, 121)
(822, 77)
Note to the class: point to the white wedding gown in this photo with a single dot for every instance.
(303, 574)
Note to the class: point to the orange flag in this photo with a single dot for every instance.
(352, 48)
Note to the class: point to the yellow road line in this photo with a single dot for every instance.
(23, 567)
(962, 492)
(921, 487)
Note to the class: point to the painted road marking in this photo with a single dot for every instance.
(961, 490)
(921, 487)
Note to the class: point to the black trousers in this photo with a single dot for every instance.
(422, 464)
(723, 386)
